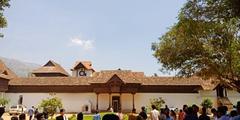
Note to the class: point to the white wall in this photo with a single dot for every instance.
(72, 102)
(75, 102)
(233, 96)
(176, 100)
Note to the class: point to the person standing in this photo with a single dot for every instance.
(80, 116)
(31, 112)
(62, 115)
(97, 116)
(143, 113)
(204, 116)
(154, 114)
(120, 115)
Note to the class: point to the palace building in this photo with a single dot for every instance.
(86, 90)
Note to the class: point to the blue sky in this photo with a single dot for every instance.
(112, 34)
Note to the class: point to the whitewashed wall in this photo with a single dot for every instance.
(176, 100)
(233, 96)
(73, 102)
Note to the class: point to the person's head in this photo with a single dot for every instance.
(195, 108)
(233, 113)
(14, 118)
(2, 110)
(172, 113)
(40, 116)
(80, 116)
(185, 107)
(214, 111)
(32, 106)
(238, 107)
(190, 110)
(221, 111)
(143, 108)
(153, 107)
(181, 110)
(22, 116)
(166, 111)
(62, 111)
(110, 117)
(96, 111)
(133, 110)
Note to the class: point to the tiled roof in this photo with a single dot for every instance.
(51, 67)
(86, 64)
(6, 71)
(50, 81)
(126, 76)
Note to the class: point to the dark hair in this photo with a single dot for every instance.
(39, 116)
(143, 108)
(14, 118)
(153, 107)
(133, 110)
(22, 116)
(62, 110)
(80, 116)
(233, 113)
(2, 110)
(110, 117)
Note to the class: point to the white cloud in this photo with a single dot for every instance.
(84, 44)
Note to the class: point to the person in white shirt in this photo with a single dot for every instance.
(154, 114)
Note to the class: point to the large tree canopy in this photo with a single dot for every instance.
(204, 42)
(3, 21)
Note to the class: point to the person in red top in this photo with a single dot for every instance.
(181, 115)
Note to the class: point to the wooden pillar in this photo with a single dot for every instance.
(109, 101)
(121, 101)
(97, 101)
(133, 100)
(225, 89)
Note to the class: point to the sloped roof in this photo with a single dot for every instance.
(170, 81)
(51, 67)
(126, 76)
(50, 81)
(6, 71)
(86, 64)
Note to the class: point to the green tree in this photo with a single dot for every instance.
(3, 101)
(207, 103)
(204, 42)
(158, 102)
(51, 105)
(3, 21)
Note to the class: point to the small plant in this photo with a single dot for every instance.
(72, 117)
(51, 105)
(207, 103)
(3, 101)
(158, 102)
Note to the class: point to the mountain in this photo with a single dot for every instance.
(22, 69)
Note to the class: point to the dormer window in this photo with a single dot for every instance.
(82, 68)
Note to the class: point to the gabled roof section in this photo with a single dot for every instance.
(127, 76)
(86, 64)
(51, 67)
(115, 80)
(6, 71)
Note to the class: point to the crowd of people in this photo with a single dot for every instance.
(186, 113)
(192, 113)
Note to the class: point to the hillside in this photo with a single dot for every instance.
(21, 68)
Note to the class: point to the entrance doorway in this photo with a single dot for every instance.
(116, 103)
